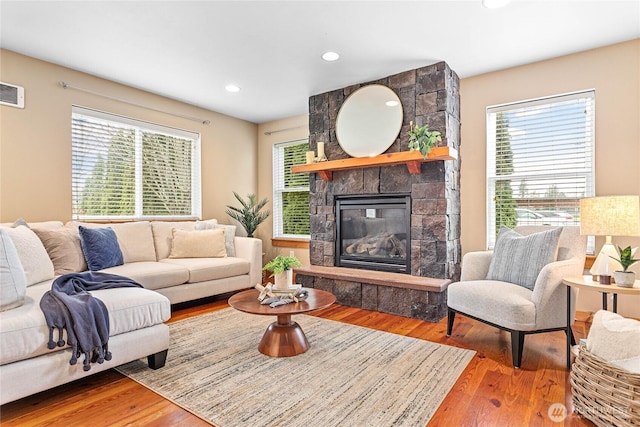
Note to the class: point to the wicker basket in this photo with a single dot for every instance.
(604, 393)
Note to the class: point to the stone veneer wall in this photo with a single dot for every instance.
(429, 95)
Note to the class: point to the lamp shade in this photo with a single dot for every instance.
(610, 216)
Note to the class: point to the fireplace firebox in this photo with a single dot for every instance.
(373, 232)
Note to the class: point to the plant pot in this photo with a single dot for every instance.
(624, 279)
(283, 281)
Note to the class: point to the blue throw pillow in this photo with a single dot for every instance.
(100, 248)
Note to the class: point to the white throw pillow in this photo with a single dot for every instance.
(13, 284)
(35, 261)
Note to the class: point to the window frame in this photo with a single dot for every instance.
(587, 163)
(278, 189)
(139, 126)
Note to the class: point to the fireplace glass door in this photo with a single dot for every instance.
(373, 232)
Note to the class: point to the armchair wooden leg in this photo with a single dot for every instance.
(157, 360)
(451, 316)
(517, 343)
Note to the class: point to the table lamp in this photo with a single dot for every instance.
(609, 216)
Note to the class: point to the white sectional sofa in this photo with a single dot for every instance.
(136, 315)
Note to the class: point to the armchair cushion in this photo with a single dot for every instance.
(500, 303)
(538, 249)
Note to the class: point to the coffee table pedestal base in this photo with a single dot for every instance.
(283, 338)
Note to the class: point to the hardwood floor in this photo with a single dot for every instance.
(490, 392)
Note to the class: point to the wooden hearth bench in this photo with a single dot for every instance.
(418, 297)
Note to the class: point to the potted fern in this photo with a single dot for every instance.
(625, 278)
(421, 138)
(249, 214)
(281, 268)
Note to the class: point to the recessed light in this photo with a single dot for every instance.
(330, 56)
(232, 88)
(494, 4)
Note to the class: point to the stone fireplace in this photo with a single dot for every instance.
(430, 96)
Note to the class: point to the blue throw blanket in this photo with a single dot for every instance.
(69, 305)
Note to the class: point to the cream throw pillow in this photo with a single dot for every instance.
(13, 284)
(229, 234)
(34, 258)
(198, 244)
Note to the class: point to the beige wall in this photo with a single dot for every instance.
(35, 142)
(291, 129)
(614, 73)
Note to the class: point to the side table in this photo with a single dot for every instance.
(586, 282)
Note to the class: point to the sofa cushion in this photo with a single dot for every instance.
(100, 248)
(36, 264)
(229, 234)
(64, 249)
(197, 244)
(519, 259)
(203, 269)
(152, 274)
(135, 240)
(13, 283)
(24, 332)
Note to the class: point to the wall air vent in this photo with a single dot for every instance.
(11, 95)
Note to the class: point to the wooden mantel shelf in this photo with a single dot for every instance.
(412, 159)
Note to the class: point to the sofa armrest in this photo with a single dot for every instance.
(250, 248)
(475, 265)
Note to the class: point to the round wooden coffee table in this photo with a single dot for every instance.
(284, 337)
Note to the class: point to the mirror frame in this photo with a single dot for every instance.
(366, 126)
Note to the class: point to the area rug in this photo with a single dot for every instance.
(351, 376)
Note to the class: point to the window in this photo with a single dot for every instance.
(290, 191)
(539, 161)
(124, 168)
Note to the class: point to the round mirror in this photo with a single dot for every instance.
(369, 121)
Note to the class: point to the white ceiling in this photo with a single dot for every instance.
(189, 50)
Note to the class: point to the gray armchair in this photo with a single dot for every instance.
(515, 308)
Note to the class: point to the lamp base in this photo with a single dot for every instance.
(604, 265)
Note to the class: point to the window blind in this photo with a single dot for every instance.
(539, 161)
(123, 168)
(290, 191)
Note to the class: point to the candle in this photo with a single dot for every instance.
(320, 150)
(310, 156)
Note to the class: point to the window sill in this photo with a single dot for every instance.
(290, 243)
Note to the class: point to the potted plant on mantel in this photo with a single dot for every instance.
(421, 138)
(281, 271)
(625, 278)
